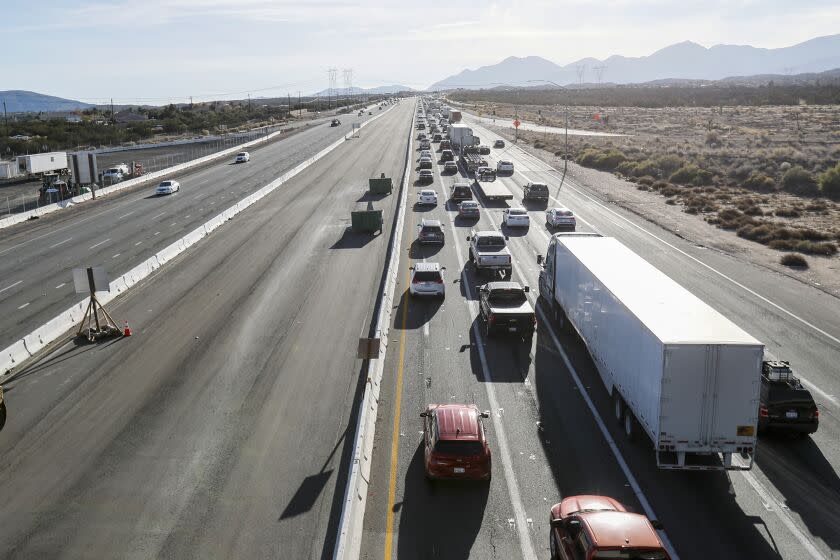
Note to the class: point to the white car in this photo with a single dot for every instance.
(425, 154)
(112, 175)
(243, 157)
(427, 196)
(168, 187)
(427, 280)
(561, 218)
(504, 167)
(516, 217)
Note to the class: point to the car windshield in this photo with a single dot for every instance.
(459, 447)
(491, 241)
(507, 296)
(167, 183)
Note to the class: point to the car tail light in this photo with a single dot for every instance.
(534, 319)
(762, 412)
(416, 281)
(815, 413)
(439, 280)
(491, 319)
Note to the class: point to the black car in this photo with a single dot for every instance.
(499, 144)
(785, 405)
(430, 231)
(447, 155)
(536, 192)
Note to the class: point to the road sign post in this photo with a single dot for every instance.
(516, 124)
(91, 280)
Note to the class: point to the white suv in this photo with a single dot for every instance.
(427, 196)
(427, 280)
(516, 217)
(243, 157)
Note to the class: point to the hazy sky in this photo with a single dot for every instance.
(155, 51)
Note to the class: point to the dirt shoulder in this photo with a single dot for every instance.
(823, 272)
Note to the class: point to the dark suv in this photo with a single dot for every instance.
(535, 191)
(785, 405)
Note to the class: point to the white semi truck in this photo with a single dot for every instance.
(461, 135)
(38, 164)
(675, 368)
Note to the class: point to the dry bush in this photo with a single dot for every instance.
(798, 181)
(787, 212)
(794, 260)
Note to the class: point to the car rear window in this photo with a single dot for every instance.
(427, 276)
(491, 241)
(631, 554)
(517, 212)
(431, 229)
(167, 183)
(539, 187)
(507, 297)
(563, 212)
(459, 447)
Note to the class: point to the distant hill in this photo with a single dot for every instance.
(684, 61)
(19, 101)
(380, 90)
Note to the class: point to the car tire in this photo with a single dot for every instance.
(2, 415)
(552, 546)
(629, 424)
(618, 406)
(488, 330)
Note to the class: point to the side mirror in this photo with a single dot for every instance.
(485, 414)
(507, 238)
(526, 289)
(410, 268)
(423, 414)
(468, 238)
(539, 259)
(443, 268)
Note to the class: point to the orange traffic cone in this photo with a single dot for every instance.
(126, 330)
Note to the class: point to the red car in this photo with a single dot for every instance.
(592, 527)
(455, 442)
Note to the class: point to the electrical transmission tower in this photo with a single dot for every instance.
(581, 73)
(599, 72)
(331, 76)
(348, 82)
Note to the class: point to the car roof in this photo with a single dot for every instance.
(517, 208)
(426, 267)
(457, 421)
(575, 504)
(430, 223)
(560, 209)
(425, 172)
(616, 528)
(506, 285)
(486, 233)
(427, 191)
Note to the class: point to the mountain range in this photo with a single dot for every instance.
(380, 90)
(684, 60)
(19, 101)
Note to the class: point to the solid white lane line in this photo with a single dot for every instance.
(117, 255)
(784, 517)
(187, 217)
(24, 305)
(126, 215)
(61, 285)
(173, 224)
(100, 243)
(10, 286)
(157, 233)
(138, 243)
(515, 497)
(158, 215)
(426, 327)
(60, 243)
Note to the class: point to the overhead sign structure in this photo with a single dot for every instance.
(82, 280)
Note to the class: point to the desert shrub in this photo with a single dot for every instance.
(646, 180)
(538, 144)
(611, 159)
(753, 210)
(691, 210)
(659, 185)
(830, 183)
(703, 177)
(670, 190)
(646, 168)
(798, 181)
(685, 174)
(741, 171)
(814, 235)
(712, 138)
(627, 168)
(760, 182)
(818, 206)
(794, 259)
(783, 244)
(787, 212)
(668, 163)
(671, 201)
(812, 248)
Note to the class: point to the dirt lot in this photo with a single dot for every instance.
(671, 213)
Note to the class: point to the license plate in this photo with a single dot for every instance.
(511, 329)
(791, 414)
(458, 470)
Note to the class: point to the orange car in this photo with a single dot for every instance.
(593, 527)
(455, 443)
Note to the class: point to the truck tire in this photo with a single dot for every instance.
(629, 424)
(472, 257)
(2, 415)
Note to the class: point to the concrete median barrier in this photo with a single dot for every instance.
(20, 351)
(349, 538)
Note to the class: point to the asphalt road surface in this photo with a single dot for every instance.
(551, 427)
(121, 230)
(220, 428)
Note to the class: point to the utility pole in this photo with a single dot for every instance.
(581, 72)
(113, 116)
(331, 75)
(249, 102)
(300, 108)
(191, 102)
(289, 98)
(6, 117)
(599, 72)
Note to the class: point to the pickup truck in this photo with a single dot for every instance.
(784, 404)
(488, 251)
(335, 122)
(504, 308)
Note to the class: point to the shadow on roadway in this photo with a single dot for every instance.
(50, 359)
(421, 208)
(534, 205)
(312, 486)
(808, 481)
(419, 183)
(419, 251)
(438, 519)
(689, 503)
(371, 197)
(508, 356)
(353, 240)
(515, 231)
(420, 311)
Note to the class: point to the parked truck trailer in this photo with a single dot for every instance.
(675, 368)
(38, 164)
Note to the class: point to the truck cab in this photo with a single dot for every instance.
(547, 264)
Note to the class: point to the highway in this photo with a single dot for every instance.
(551, 427)
(220, 428)
(123, 229)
